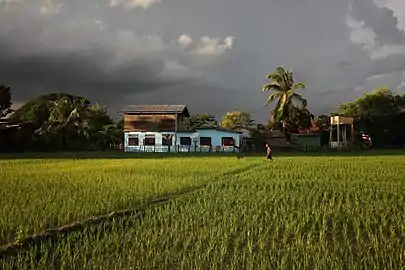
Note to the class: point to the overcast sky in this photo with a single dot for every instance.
(212, 55)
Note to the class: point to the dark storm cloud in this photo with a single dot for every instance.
(380, 19)
(76, 74)
(107, 54)
(84, 57)
(389, 44)
(81, 73)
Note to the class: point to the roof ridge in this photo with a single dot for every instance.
(154, 108)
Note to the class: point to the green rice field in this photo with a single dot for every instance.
(301, 211)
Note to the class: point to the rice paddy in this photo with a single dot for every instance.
(299, 212)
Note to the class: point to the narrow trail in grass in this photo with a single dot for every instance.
(39, 194)
(16, 247)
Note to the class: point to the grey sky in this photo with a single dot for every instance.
(212, 55)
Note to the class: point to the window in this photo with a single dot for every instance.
(149, 140)
(133, 140)
(185, 141)
(205, 141)
(227, 141)
(167, 139)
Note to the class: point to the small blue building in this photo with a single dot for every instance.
(200, 140)
(161, 128)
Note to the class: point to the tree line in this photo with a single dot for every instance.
(380, 113)
(65, 122)
(60, 122)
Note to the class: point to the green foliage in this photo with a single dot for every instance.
(120, 124)
(323, 121)
(244, 214)
(381, 102)
(377, 113)
(283, 88)
(5, 100)
(114, 133)
(236, 120)
(300, 119)
(66, 121)
(38, 110)
(64, 114)
(99, 127)
(200, 121)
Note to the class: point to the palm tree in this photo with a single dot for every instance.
(284, 90)
(65, 116)
(97, 118)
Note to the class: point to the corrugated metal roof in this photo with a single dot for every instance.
(141, 109)
(219, 129)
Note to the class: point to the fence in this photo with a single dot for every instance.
(181, 149)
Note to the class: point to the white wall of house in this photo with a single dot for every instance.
(158, 147)
(215, 136)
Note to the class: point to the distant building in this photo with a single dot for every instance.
(306, 141)
(161, 128)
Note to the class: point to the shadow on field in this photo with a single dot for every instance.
(53, 235)
(122, 155)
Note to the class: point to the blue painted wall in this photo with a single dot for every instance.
(216, 140)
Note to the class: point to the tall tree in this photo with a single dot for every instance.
(300, 118)
(37, 110)
(96, 117)
(323, 121)
(236, 120)
(66, 117)
(377, 113)
(201, 120)
(63, 120)
(99, 127)
(5, 100)
(116, 134)
(281, 84)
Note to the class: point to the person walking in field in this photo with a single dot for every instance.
(268, 156)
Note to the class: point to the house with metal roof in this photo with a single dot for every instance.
(162, 128)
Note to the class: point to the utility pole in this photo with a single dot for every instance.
(240, 132)
(175, 133)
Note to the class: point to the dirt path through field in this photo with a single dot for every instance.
(14, 248)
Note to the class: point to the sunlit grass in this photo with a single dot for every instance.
(297, 212)
(39, 194)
